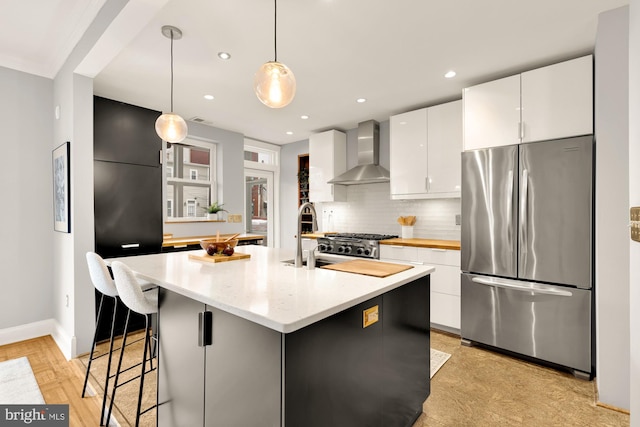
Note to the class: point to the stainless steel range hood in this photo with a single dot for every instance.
(368, 170)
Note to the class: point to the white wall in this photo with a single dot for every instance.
(634, 200)
(26, 215)
(612, 201)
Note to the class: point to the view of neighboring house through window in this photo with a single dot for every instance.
(190, 178)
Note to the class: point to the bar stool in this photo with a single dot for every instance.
(102, 281)
(145, 303)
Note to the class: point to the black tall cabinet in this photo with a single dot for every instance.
(127, 181)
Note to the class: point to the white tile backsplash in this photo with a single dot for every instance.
(368, 209)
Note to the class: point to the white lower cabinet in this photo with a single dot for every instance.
(445, 281)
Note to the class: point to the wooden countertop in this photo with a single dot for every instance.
(317, 234)
(195, 240)
(424, 243)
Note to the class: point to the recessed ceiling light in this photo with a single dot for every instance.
(304, 117)
(361, 100)
(224, 55)
(289, 132)
(208, 97)
(450, 74)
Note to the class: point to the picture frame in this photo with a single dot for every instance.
(61, 191)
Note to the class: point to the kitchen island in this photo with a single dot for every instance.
(259, 342)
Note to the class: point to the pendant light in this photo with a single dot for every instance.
(274, 82)
(170, 126)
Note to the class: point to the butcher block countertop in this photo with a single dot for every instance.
(424, 243)
(194, 240)
(318, 234)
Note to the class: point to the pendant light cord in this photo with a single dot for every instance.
(172, 71)
(275, 30)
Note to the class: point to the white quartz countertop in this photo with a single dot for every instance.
(263, 289)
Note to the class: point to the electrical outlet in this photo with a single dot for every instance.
(234, 218)
(458, 219)
(634, 223)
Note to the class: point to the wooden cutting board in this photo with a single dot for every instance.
(369, 268)
(219, 258)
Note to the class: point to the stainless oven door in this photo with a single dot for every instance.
(551, 323)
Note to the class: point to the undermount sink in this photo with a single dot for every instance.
(320, 262)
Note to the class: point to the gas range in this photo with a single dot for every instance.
(363, 245)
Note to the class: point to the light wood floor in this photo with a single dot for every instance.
(476, 387)
(60, 381)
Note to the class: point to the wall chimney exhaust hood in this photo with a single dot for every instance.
(368, 171)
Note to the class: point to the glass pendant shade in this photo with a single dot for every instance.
(275, 84)
(171, 127)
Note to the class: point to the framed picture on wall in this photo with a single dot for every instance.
(61, 194)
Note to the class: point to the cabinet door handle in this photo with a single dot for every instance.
(520, 130)
(130, 245)
(205, 328)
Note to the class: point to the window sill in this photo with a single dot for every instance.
(189, 221)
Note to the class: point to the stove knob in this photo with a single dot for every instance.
(330, 248)
(347, 250)
(322, 247)
(341, 249)
(367, 252)
(359, 251)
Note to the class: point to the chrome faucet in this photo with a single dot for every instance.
(314, 227)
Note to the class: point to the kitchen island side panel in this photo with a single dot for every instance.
(406, 349)
(333, 371)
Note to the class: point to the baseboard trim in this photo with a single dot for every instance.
(613, 408)
(65, 343)
(27, 331)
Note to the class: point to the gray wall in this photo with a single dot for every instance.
(612, 201)
(26, 215)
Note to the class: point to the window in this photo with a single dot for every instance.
(191, 207)
(190, 184)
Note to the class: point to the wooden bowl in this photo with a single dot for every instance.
(204, 244)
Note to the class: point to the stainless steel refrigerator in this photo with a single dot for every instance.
(527, 250)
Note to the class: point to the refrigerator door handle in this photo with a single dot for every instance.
(534, 288)
(523, 212)
(509, 209)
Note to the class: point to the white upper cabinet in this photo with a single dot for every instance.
(492, 113)
(327, 159)
(425, 147)
(547, 103)
(408, 153)
(557, 101)
(444, 137)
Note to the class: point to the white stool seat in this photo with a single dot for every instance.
(130, 291)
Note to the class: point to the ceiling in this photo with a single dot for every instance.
(393, 53)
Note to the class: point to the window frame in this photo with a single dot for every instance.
(177, 184)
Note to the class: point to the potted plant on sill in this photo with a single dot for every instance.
(213, 211)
